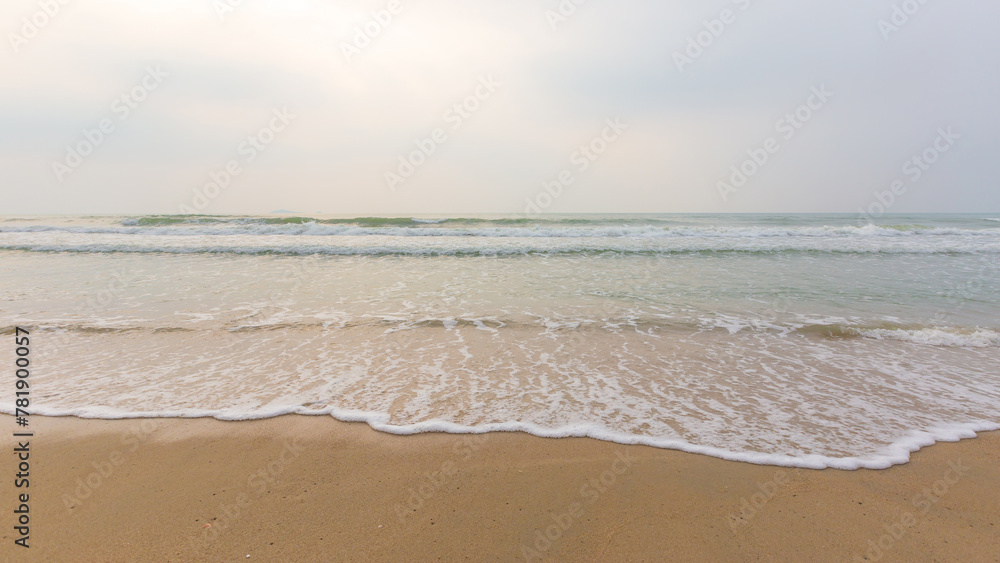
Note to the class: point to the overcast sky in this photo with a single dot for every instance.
(180, 86)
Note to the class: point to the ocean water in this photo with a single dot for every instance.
(797, 340)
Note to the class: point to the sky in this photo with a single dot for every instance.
(388, 107)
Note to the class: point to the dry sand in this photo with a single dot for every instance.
(314, 489)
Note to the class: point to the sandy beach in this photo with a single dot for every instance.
(313, 488)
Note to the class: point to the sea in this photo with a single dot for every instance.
(808, 341)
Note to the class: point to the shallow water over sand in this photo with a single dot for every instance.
(795, 340)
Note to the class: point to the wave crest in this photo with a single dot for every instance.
(950, 338)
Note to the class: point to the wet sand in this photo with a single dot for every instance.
(315, 489)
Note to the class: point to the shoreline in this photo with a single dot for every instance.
(314, 488)
(898, 452)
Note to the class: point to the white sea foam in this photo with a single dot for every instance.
(449, 242)
(982, 338)
(857, 402)
(434, 228)
(896, 453)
